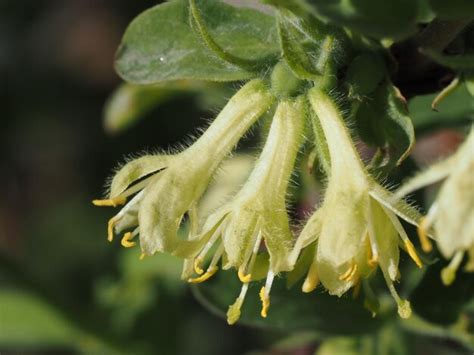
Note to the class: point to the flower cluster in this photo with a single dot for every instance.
(451, 216)
(356, 230)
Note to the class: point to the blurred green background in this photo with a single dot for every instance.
(63, 288)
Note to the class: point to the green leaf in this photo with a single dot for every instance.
(364, 74)
(469, 81)
(445, 303)
(456, 62)
(383, 121)
(26, 320)
(290, 309)
(159, 45)
(253, 43)
(456, 109)
(453, 8)
(308, 45)
(374, 18)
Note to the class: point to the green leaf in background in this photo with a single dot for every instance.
(307, 44)
(383, 121)
(290, 308)
(456, 109)
(456, 62)
(364, 74)
(128, 103)
(240, 36)
(453, 8)
(445, 304)
(25, 320)
(159, 45)
(390, 18)
(469, 81)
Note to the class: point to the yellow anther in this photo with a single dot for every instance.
(412, 252)
(126, 240)
(112, 202)
(197, 266)
(349, 274)
(244, 278)
(423, 235)
(265, 302)
(142, 256)
(312, 279)
(206, 276)
(372, 259)
(110, 228)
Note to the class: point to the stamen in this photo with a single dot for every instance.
(212, 268)
(448, 274)
(403, 235)
(197, 266)
(115, 219)
(111, 202)
(200, 258)
(349, 274)
(265, 294)
(412, 252)
(110, 228)
(312, 279)
(404, 308)
(204, 277)
(247, 277)
(423, 228)
(127, 237)
(233, 313)
(142, 256)
(372, 253)
(244, 278)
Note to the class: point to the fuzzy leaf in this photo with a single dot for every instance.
(390, 18)
(383, 121)
(307, 44)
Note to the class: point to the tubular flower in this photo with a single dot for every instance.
(451, 215)
(357, 227)
(167, 187)
(257, 215)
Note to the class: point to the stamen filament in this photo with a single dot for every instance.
(448, 274)
(404, 308)
(312, 279)
(233, 313)
(212, 268)
(403, 235)
(265, 294)
(245, 271)
(424, 226)
(200, 258)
